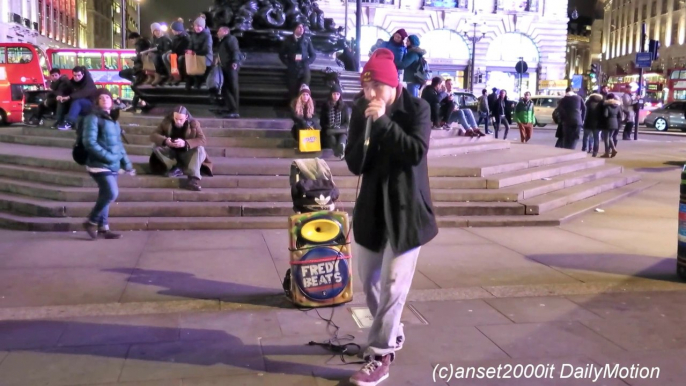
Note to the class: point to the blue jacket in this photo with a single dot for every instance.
(410, 63)
(398, 52)
(103, 143)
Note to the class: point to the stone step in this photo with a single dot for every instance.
(441, 149)
(506, 179)
(243, 123)
(65, 224)
(136, 139)
(547, 202)
(538, 187)
(45, 208)
(81, 179)
(146, 150)
(220, 132)
(283, 194)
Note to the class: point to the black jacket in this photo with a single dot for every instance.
(142, 44)
(491, 98)
(181, 43)
(572, 110)
(83, 89)
(613, 114)
(292, 47)
(395, 199)
(61, 87)
(433, 98)
(201, 44)
(324, 118)
(595, 118)
(163, 44)
(228, 51)
(500, 107)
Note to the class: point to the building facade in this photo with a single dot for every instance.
(105, 27)
(45, 23)
(509, 30)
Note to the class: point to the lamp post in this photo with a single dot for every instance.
(474, 38)
(138, 21)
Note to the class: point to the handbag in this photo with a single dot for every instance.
(174, 66)
(309, 140)
(195, 64)
(148, 62)
(215, 79)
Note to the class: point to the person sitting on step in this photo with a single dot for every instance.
(302, 112)
(60, 86)
(334, 120)
(179, 148)
(83, 89)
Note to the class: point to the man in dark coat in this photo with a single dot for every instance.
(60, 86)
(297, 54)
(229, 58)
(80, 104)
(433, 97)
(393, 216)
(593, 123)
(572, 113)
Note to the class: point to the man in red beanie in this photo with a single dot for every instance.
(393, 215)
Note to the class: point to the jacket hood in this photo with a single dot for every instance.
(613, 102)
(596, 97)
(418, 50)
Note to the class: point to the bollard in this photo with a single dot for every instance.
(681, 248)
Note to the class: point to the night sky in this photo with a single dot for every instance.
(585, 7)
(169, 10)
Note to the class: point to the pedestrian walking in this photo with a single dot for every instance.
(593, 124)
(572, 112)
(524, 116)
(614, 116)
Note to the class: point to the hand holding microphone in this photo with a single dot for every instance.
(376, 109)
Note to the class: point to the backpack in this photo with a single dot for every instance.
(423, 73)
(79, 152)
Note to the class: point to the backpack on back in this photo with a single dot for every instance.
(79, 152)
(423, 73)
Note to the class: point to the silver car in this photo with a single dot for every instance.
(670, 116)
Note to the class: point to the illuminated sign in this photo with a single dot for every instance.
(322, 273)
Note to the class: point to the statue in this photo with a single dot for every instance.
(262, 25)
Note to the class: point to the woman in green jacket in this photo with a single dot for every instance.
(107, 158)
(524, 116)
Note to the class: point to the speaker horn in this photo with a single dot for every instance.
(320, 230)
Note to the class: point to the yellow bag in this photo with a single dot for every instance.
(309, 140)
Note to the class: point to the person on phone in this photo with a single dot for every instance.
(393, 216)
(180, 148)
(106, 159)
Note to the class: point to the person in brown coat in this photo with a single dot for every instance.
(179, 148)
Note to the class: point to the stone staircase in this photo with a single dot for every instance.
(475, 182)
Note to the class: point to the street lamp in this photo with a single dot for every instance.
(474, 38)
(138, 21)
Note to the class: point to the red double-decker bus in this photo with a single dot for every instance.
(103, 64)
(23, 67)
(676, 85)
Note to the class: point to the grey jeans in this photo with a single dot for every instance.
(189, 161)
(386, 280)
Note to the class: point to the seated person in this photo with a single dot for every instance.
(302, 112)
(179, 145)
(180, 43)
(431, 94)
(80, 104)
(60, 86)
(465, 118)
(334, 120)
(161, 43)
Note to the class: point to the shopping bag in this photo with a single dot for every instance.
(148, 62)
(309, 140)
(215, 79)
(195, 64)
(174, 66)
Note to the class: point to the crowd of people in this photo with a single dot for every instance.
(601, 115)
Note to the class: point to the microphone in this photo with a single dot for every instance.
(367, 134)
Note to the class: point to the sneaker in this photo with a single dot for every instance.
(91, 229)
(175, 172)
(64, 126)
(375, 371)
(109, 235)
(193, 185)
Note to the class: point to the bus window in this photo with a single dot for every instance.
(43, 61)
(674, 75)
(3, 59)
(127, 61)
(90, 60)
(682, 75)
(64, 60)
(19, 55)
(111, 59)
(113, 89)
(127, 93)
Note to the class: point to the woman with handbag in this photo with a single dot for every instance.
(105, 160)
(302, 112)
(199, 56)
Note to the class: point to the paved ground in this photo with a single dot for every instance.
(205, 308)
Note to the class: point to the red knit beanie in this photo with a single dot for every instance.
(381, 68)
(402, 33)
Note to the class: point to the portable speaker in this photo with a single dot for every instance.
(320, 257)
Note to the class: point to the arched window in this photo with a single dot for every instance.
(512, 46)
(370, 35)
(444, 44)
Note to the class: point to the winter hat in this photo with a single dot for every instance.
(305, 89)
(335, 88)
(177, 26)
(381, 68)
(99, 92)
(200, 21)
(155, 27)
(402, 33)
(414, 39)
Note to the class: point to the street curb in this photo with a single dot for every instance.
(272, 302)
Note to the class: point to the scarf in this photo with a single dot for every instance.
(334, 117)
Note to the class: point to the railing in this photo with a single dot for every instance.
(517, 5)
(459, 4)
